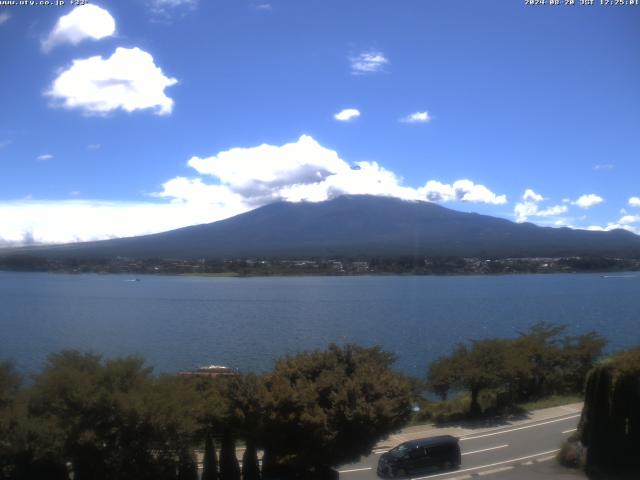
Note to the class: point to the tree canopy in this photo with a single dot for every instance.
(110, 419)
(330, 407)
(538, 362)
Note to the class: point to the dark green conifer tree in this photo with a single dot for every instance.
(250, 466)
(229, 468)
(210, 462)
(188, 467)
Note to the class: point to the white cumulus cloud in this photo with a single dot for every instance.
(62, 221)
(629, 219)
(196, 192)
(530, 207)
(626, 222)
(634, 202)
(347, 114)
(552, 211)
(370, 61)
(531, 196)
(128, 80)
(305, 170)
(525, 210)
(460, 190)
(82, 23)
(417, 117)
(588, 200)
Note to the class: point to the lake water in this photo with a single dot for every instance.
(183, 322)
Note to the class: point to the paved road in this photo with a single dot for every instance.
(491, 452)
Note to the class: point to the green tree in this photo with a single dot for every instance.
(188, 467)
(210, 461)
(540, 348)
(229, 467)
(486, 364)
(555, 364)
(11, 436)
(250, 465)
(330, 407)
(538, 362)
(445, 373)
(112, 419)
(246, 416)
(578, 356)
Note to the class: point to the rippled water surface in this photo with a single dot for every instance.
(183, 322)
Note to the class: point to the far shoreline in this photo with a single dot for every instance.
(603, 273)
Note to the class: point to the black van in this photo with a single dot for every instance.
(424, 454)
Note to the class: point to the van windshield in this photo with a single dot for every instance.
(400, 451)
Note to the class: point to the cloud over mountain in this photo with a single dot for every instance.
(530, 207)
(305, 170)
(231, 182)
(460, 190)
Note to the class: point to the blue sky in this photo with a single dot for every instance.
(122, 118)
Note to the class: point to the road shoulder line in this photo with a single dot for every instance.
(532, 425)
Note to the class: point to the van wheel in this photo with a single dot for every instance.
(446, 465)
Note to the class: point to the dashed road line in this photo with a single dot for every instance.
(570, 430)
(545, 459)
(355, 470)
(480, 467)
(496, 470)
(486, 449)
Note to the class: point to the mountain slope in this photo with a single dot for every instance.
(358, 225)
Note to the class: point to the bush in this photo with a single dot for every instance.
(572, 454)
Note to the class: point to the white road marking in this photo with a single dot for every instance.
(519, 428)
(489, 465)
(570, 430)
(380, 452)
(486, 449)
(496, 470)
(545, 459)
(355, 470)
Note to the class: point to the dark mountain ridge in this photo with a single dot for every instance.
(356, 226)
